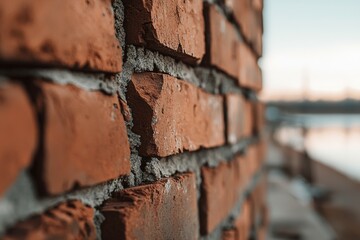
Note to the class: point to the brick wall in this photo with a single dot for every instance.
(132, 119)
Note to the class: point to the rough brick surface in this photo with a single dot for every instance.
(70, 220)
(248, 14)
(259, 117)
(243, 222)
(222, 42)
(171, 115)
(261, 233)
(258, 5)
(76, 34)
(229, 235)
(257, 202)
(166, 209)
(220, 190)
(239, 117)
(175, 28)
(262, 150)
(85, 139)
(249, 71)
(252, 159)
(18, 132)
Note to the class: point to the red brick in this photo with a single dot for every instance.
(249, 71)
(85, 138)
(243, 222)
(76, 34)
(166, 209)
(239, 117)
(259, 116)
(70, 220)
(18, 133)
(228, 235)
(252, 159)
(258, 5)
(175, 28)
(228, 53)
(222, 49)
(261, 233)
(242, 225)
(172, 115)
(220, 190)
(258, 201)
(262, 149)
(248, 14)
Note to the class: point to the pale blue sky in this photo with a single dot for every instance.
(317, 40)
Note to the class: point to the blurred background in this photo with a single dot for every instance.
(312, 90)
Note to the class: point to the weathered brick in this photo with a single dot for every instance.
(166, 209)
(70, 220)
(220, 190)
(248, 14)
(18, 133)
(258, 202)
(76, 34)
(85, 139)
(172, 115)
(252, 159)
(175, 28)
(227, 52)
(251, 164)
(242, 225)
(258, 5)
(262, 149)
(261, 233)
(243, 222)
(239, 117)
(259, 116)
(228, 234)
(249, 71)
(222, 42)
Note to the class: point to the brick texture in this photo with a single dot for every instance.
(76, 34)
(243, 222)
(85, 140)
(172, 115)
(18, 132)
(227, 52)
(220, 190)
(170, 154)
(175, 28)
(259, 115)
(166, 209)
(228, 234)
(252, 155)
(248, 14)
(249, 72)
(239, 117)
(258, 204)
(222, 39)
(69, 220)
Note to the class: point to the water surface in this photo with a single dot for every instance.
(333, 139)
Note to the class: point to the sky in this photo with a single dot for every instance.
(311, 49)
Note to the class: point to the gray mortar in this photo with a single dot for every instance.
(14, 206)
(86, 81)
(3, 80)
(192, 161)
(210, 80)
(119, 23)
